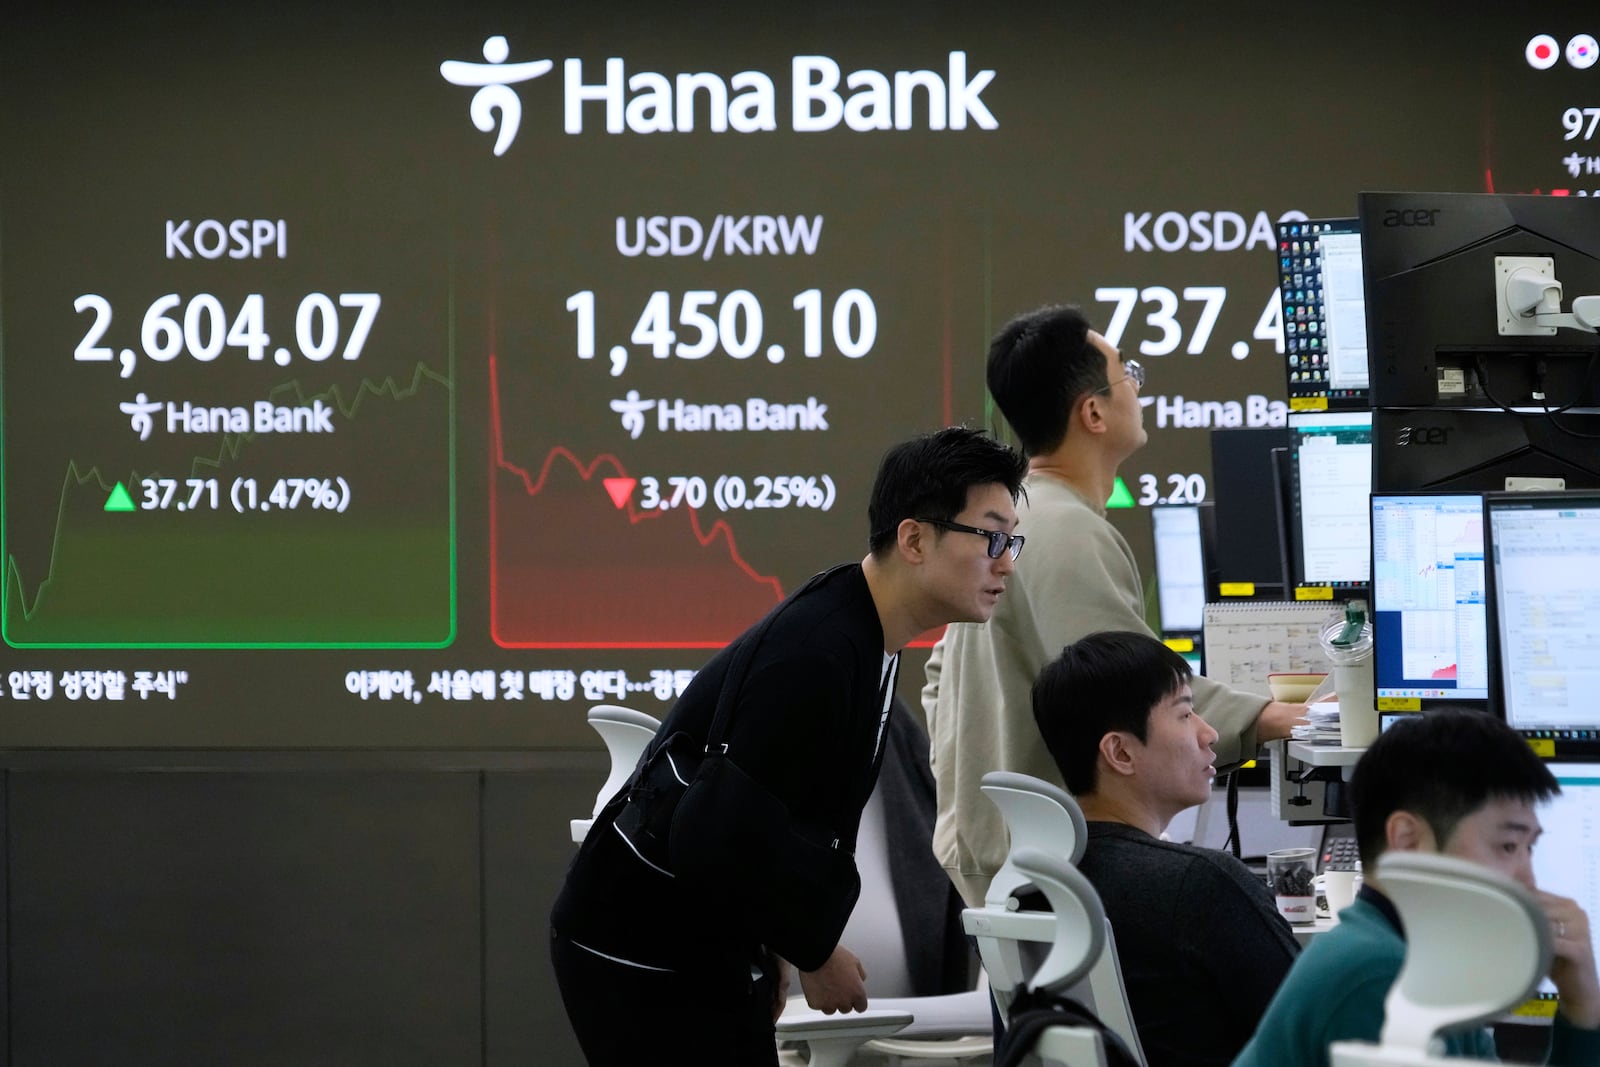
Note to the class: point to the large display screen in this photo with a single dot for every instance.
(419, 374)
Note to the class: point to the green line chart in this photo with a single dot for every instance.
(267, 540)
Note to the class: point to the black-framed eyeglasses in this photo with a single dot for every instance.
(1132, 369)
(1000, 542)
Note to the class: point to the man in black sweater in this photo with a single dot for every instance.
(646, 963)
(1201, 943)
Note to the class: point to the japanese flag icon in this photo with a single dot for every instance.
(1542, 52)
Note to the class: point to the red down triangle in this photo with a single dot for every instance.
(620, 489)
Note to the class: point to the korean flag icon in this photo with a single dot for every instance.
(1582, 51)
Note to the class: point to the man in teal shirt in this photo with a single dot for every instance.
(1459, 783)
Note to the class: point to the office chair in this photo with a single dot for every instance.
(1079, 939)
(1451, 978)
(1044, 817)
(954, 1026)
(945, 1026)
(626, 733)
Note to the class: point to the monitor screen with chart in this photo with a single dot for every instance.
(1429, 623)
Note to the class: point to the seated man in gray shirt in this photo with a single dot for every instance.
(1201, 942)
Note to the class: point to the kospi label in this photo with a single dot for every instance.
(821, 96)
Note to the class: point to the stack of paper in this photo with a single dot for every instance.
(1322, 724)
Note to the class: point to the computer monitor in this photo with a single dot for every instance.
(1330, 458)
(1324, 322)
(1430, 623)
(1543, 551)
(1448, 281)
(1564, 862)
(1473, 450)
(1249, 485)
(1183, 548)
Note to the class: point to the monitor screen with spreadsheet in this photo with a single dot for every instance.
(1429, 619)
(1331, 478)
(1543, 551)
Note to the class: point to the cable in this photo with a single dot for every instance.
(1583, 388)
(1232, 807)
(1483, 380)
(1548, 412)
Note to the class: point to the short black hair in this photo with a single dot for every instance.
(1040, 365)
(1100, 683)
(929, 476)
(1442, 767)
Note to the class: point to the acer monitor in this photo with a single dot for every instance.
(1324, 320)
(1439, 331)
(1543, 553)
(1477, 450)
(1430, 623)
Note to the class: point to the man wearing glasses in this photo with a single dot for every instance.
(1073, 402)
(646, 963)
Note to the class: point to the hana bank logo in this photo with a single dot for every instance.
(1543, 51)
(494, 80)
(747, 102)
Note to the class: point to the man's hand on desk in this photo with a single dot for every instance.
(1276, 719)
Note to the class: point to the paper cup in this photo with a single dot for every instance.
(1340, 889)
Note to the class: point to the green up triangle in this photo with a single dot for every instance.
(1120, 497)
(119, 500)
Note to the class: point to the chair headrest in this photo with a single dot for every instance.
(1080, 918)
(617, 713)
(1038, 814)
(1477, 943)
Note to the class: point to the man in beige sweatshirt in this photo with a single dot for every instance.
(1073, 403)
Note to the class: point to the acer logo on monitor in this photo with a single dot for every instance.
(1410, 217)
(1422, 435)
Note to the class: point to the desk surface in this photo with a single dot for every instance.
(1304, 932)
(1324, 755)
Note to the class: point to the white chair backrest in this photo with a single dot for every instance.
(1451, 978)
(1042, 816)
(1038, 815)
(1080, 942)
(874, 932)
(1476, 944)
(1079, 919)
(1069, 1046)
(1102, 990)
(626, 733)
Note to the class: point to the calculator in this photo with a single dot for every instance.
(1341, 854)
